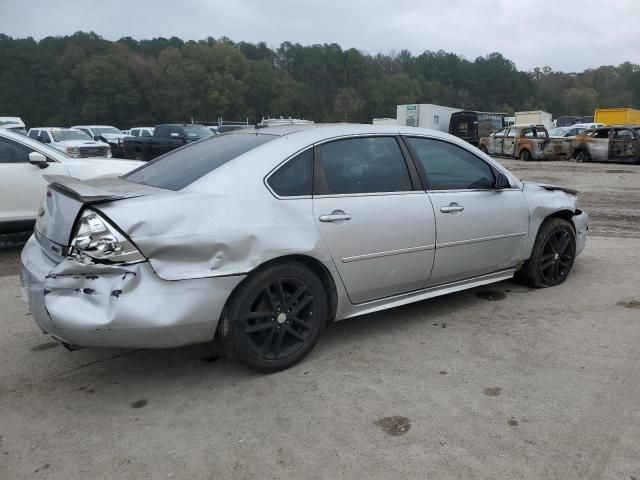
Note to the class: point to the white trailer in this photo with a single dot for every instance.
(535, 117)
(425, 115)
(385, 121)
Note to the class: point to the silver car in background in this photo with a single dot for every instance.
(260, 237)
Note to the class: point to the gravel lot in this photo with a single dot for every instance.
(500, 382)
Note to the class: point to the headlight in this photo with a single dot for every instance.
(73, 151)
(96, 238)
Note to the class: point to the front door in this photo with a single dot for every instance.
(379, 230)
(479, 229)
(509, 145)
(23, 185)
(497, 142)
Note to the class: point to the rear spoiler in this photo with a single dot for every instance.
(99, 189)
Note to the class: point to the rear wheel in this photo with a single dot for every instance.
(582, 156)
(526, 155)
(552, 257)
(275, 318)
(138, 155)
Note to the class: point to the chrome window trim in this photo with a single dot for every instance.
(374, 194)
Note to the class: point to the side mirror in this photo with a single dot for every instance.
(501, 181)
(96, 138)
(38, 159)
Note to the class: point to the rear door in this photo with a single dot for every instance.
(480, 229)
(23, 185)
(377, 223)
(623, 145)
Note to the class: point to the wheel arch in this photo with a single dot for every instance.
(313, 264)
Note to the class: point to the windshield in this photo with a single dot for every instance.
(64, 135)
(179, 168)
(558, 131)
(197, 131)
(101, 130)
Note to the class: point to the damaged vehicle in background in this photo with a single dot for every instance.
(617, 143)
(526, 142)
(24, 160)
(258, 238)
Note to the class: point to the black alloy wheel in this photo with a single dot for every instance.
(275, 317)
(280, 319)
(552, 257)
(557, 256)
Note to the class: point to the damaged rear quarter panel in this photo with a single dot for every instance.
(219, 228)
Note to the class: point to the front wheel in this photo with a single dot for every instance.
(525, 155)
(275, 318)
(552, 257)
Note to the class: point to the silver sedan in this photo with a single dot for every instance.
(258, 238)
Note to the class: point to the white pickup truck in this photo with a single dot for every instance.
(73, 142)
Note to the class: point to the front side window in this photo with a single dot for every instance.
(179, 168)
(449, 167)
(363, 165)
(145, 133)
(13, 152)
(135, 132)
(511, 133)
(34, 134)
(294, 178)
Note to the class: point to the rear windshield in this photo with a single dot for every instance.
(181, 167)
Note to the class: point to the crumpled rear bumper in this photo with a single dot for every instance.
(580, 222)
(125, 306)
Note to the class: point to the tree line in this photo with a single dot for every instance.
(83, 78)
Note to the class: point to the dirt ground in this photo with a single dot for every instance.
(498, 382)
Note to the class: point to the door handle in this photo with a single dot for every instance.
(452, 208)
(335, 216)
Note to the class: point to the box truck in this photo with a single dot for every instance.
(425, 115)
(534, 117)
(617, 116)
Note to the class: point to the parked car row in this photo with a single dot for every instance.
(581, 142)
(24, 160)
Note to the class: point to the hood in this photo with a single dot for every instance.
(552, 188)
(79, 143)
(113, 136)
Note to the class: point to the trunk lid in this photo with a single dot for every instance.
(66, 196)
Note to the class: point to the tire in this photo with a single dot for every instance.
(257, 327)
(582, 156)
(483, 149)
(526, 155)
(138, 155)
(552, 257)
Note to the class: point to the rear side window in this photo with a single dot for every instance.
(449, 167)
(294, 178)
(363, 165)
(179, 168)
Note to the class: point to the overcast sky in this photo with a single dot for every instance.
(568, 35)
